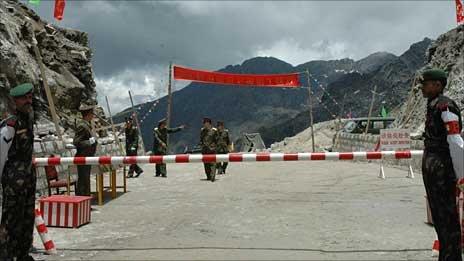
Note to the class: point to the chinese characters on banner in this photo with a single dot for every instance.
(395, 139)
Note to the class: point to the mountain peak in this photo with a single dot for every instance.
(374, 61)
(260, 65)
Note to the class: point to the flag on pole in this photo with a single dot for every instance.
(59, 9)
(290, 80)
(34, 2)
(459, 12)
(384, 112)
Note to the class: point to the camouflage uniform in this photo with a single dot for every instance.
(223, 144)
(208, 143)
(132, 145)
(19, 185)
(160, 136)
(440, 179)
(84, 149)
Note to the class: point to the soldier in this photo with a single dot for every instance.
(86, 146)
(442, 162)
(160, 144)
(223, 146)
(18, 177)
(208, 143)
(132, 145)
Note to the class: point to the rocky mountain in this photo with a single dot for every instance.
(353, 91)
(274, 112)
(447, 53)
(65, 54)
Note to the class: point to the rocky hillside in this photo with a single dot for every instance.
(447, 53)
(352, 91)
(65, 53)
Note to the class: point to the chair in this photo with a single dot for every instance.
(54, 182)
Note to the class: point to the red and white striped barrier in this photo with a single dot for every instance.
(231, 157)
(43, 232)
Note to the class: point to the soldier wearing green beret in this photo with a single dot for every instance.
(208, 143)
(86, 146)
(442, 162)
(160, 144)
(18, 177)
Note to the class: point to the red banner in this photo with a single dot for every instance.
(459, 12)
(266, 80)
(59, 9)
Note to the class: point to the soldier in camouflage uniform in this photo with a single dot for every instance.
(437, 164)
(160, 146)
(208, 143)
(132, 145)
(18, 178)
(223, 146)
(86, 146)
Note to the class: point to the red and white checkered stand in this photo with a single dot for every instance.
(65, 211)
(43, 232)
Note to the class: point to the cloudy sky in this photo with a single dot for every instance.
(133, 41)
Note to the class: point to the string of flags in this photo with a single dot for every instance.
(330, 96)
(324, 106)
(149, 111)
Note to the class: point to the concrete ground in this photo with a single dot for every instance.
(258, 211)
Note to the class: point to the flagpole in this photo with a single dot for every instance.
(370, 109)
(310, 100)
(134, 113)
(48, 92)
(169, 109)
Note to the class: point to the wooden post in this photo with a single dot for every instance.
(51, 103)
(113, 182)
(116, 139)
(310, 111)
(134, 113)
(370, 109)
(342, 111)
(100, 187)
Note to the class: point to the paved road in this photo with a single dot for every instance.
(280, 210)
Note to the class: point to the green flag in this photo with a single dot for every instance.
(384, 112)
(34, 2)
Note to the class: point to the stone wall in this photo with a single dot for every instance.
(361, 142)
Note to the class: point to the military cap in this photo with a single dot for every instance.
(163, 120)
(206, 119)
(433, 75)
(86, 107)
(21, 90)
(220, 122)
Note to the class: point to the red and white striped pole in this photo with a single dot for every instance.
(43, 232)
(231, 157)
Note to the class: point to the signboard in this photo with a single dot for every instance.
(395, 139)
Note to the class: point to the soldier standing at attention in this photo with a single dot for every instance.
(18, 177)
(442, 162)
(132, 145)
(86, 146)
(223, 146)
(160, 146)
(208, 143)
